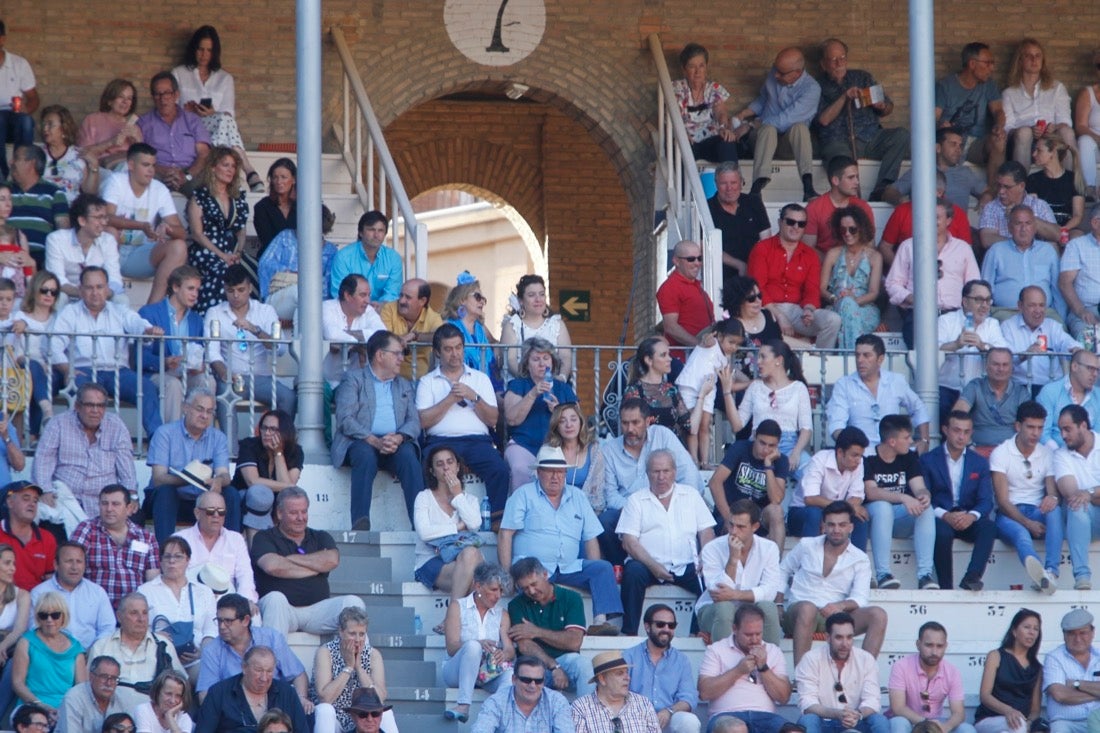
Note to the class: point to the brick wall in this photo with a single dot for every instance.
(591, 77)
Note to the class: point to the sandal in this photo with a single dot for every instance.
(255, 183)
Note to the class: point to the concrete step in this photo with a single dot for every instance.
(362, 569)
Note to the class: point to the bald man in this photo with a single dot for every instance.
(686, 309)
(783, 111)
(412, 318)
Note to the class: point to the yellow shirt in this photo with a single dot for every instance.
(428, 322)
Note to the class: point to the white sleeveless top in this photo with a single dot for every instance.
(549, 330)
(474, 626)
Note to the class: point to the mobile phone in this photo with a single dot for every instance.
(207, 102)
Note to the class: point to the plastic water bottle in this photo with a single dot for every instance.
(486, 515)
(548, 377)
(418, 625)
(969, 322)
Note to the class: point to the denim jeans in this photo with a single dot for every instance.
(578, 668)
(1013, 533)
(758, 721)
(1081, 526)
(16, 128)
(598, 578)
(873, 723)
(894, 520)
(805, 521)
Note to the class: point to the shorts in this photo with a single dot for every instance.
(429, 571)
(789, 619)
(135, 260)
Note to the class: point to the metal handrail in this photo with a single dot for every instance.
(415, 234)
(676, 171)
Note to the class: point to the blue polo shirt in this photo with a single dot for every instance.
(552, 535)
(384, 274)
(173, 446)
(220, 661)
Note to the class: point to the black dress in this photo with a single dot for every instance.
(269, 221)
(222, 231)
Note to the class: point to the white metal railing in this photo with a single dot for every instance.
(678, 185)
(379, 187)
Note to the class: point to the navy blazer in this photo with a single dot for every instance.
(355, 403)
(160, 314)
(976, 493)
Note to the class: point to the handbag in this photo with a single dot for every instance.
(281, 280)
(488, 670)
(449, 546)
(14, 385)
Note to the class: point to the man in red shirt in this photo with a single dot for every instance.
(34, 547)
(843, 191)
(789, 275)
(686, 309)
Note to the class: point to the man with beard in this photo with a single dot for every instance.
(613, 704)
(1077, 475)
(922, 685)
(828, 575)
(744, 678)
(738, 569)
(838, 684)
(663, 674)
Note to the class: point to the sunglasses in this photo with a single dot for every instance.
(772, 401)
(849, 230)
(696, 258)
(52, 615)
(939, 269)
(704, 107)
(925, 701)
(530, 680)
(480, 298)
(752, 298)
(1027, 465)
(800, 223)
(49, 291)
(214, 512)
(361, 715)
(665, 625)
(841, 698)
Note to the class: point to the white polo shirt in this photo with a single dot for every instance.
(1086, 469)
(459, 420)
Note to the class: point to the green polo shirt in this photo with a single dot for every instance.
(564, 611)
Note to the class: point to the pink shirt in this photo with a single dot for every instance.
(744, 694)
(945, 685)
(959, 267)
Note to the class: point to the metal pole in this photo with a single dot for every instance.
(923, 126)
(310, 294)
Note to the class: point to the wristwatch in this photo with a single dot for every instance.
(1077, 684)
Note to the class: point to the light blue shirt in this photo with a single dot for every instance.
(624, 474)
(221, 661)
(1009, 271)
(384, 420)
(1056, 395)
(384, 274)
(1039, 370)
(784, 105)
(666, 683)
(853, 404)
(499, 714)
(554, 536)
(173, 447)
(1060, 668)
(90, 612)
(1083, 255)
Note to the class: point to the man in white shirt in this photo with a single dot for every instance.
(838, 686)
(658, 529)
(213, 544)
(739, 568)
(1077, 474)
(828, 575)
(141, 213)
(350, 319)
(69, 251)
(16, 80)
(966, 335)
(457, 407)
(1071, 675)
(1031, 332)
(834, 474)
(1028, 506)
(250, 356)
(95, 357)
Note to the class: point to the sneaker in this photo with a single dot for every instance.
(888, 582)
(1036, 572)
(1083, 583)
(605, 629)
(926, 583)
(1050, 583)
(971, 582)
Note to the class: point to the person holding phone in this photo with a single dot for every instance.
(206, 89)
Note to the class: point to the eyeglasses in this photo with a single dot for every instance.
(979, 299)
(123, 728)
(221, 620)
(39, 724)
(111, 679)
(203, 410)
(480, 298)
(665, 625)
(168, 93)
(837, 687)
(397, 352)
(49, 291)
(94, 405)
(800, 223)
(926, 697)
(939, 269)
(752, 298)
(1027, 465)
(530, 680)
(695, 258)
(214, 512)
(269, 428)
(173, 557)
(704, 107)
(241, 336)
(52, 615)
(361, 715)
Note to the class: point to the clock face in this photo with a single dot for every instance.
(495, 32)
